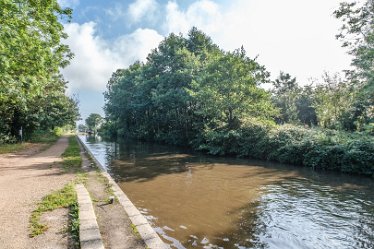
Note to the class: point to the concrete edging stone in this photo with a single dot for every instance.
(89, 233)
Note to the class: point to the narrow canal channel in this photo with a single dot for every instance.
(197, 201)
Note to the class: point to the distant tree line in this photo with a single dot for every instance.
(190, 92)
(32, 90)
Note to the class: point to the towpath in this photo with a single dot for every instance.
(25, 178)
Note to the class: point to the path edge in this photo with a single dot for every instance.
(146, 232)
(89, 233)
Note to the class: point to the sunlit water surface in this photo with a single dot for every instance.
(197, 201)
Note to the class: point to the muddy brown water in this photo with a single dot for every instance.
(197, 201)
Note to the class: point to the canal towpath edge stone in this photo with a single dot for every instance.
(148, 234)
(89, 233)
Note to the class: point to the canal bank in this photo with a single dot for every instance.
(139, 224)
(197, 201)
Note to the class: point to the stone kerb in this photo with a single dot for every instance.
(89, 233)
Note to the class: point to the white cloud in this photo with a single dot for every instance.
(290, 35)
(95, 59)
(142, 9)
(137, 45)
(204, 14)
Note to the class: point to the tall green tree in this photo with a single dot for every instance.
(357, 34)
(285, 95)
(187, 85)
(31, 56)
(227, 90)
(94, 122)
(332, 100)
(306, 113)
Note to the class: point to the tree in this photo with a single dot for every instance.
(186, 85)
(32, 92)
(82, 128)
(227, 91)
(332, 100)
(94, 122)
(306, 113)
(357, 34)
(285, 95)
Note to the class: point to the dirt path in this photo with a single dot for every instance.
(24, 180)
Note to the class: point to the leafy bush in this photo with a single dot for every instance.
(359, 158)
(315, 148)
(7, 139)
(42, 136)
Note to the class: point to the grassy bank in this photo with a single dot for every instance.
(71, 157)
(9, 148)
(38, 137)
(46, 137)
(315, 148)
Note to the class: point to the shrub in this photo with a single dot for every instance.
(315, 148)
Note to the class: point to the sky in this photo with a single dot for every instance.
(294, 36)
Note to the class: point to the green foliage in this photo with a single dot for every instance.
(285, 95)
(186, 84)
(357, 34)
(42, 136)
(74, 224)
(189, 92)
(315, 148)
(71, 157)
(82, 128)
(94, 121)
(332, 102)
(32, 91)
(8, 148)
(7, 139)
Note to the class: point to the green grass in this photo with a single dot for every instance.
(71, 157)
(135, 231)
(108, 186)
(44, 137)
(8, 148)
(81, 177)
(74, 223)
(63, 198)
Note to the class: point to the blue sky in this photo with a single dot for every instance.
(295, 36)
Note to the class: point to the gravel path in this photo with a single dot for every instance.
(24, 180)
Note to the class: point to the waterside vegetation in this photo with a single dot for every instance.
(191, 92)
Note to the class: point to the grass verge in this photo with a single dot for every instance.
(135, 231)
(8, 148)
(71, 157)
(47, 137)
(63, 198)
(38, 137)
(107, 187)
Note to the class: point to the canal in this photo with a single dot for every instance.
(197, 201)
